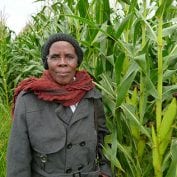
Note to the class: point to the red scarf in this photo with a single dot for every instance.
(47, 89)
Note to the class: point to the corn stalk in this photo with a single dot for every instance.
(162, 135)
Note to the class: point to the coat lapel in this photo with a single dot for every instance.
(64, 113)
(81, 111)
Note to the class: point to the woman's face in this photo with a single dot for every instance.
(62, 62)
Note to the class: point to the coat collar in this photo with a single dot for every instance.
(82, 110)
(68, 117)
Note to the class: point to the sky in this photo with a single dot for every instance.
(17, 13)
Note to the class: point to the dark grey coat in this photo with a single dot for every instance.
(49, 140)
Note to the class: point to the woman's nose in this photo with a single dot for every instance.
(62, 61)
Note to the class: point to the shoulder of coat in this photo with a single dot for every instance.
(26, 94)
(32, 101)
(94, 93)
(23, 93)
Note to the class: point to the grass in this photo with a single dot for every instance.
(5, 122)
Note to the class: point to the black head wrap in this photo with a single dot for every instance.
(60, 37)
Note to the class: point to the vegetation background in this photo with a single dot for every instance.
(131, 51)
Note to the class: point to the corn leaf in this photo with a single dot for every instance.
(125, 84)
(132, 117)
(168, 91)
(82, 7)
(163, 144)
(118, 67)
(167, 121)
(172, 170)
(169, 30)
(111, 152)
(141, 61)
(123, 25)
(163, 7)
(155, 154)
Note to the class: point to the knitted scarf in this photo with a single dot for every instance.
(47, 89)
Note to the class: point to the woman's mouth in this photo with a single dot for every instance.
(63, 74)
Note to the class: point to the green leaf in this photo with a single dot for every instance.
(114, 161)
(169, 30)
(82, 7)
(168, 91)
(151, 33)
(155, 153)
(118, 67)
(125, 84)
(100, 35)
(141, 147)
(163, 7)
(172, 170)
(107, 82)
(102, 12)
(141, 61)
(125, 48)
(136, 31)
(150, 87)
(167, 121)
(111, 152)
(132, 117)
(132, 6)
(168, 74)
(126, 1)
(123, 25)
(163, 144)
(107, 86)
(134, 98)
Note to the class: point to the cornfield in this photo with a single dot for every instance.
(130, 49)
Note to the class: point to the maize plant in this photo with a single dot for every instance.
(5, 91)
(130, 49)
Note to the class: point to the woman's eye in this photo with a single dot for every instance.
(70, 57)
(54, 57)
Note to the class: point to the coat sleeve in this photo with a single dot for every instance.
(18, 152)
(102, 130)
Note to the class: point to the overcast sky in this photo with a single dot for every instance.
(17, 12)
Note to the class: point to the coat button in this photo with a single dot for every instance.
(43, 158)
(69, 146)
(82, 143)
(69, 170)
(80, 167)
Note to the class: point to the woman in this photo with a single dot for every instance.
(59, 123)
